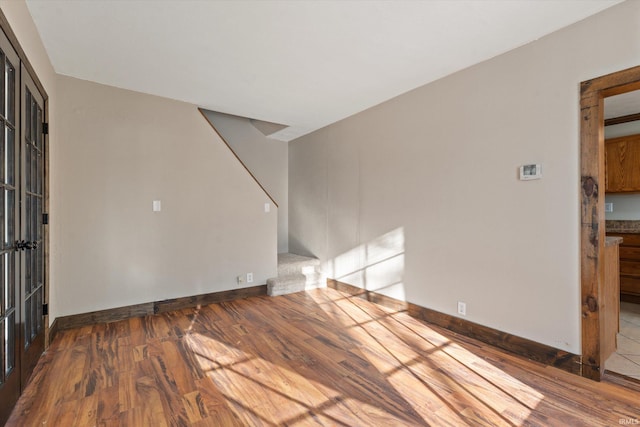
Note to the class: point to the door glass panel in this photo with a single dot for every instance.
(27, 167)
(3, 131)
(4, 291)
(33, 169)
(35, 223)
(7, 263)
(27, 322)
(3, 107)
(10, 81)
(34, 119)
(10, 339)
(39, 173)
(3, 228)
(27, 118)
(34, 314)
(3, 350)
(8, 342)
(9, 156)
(39, 217)
(39, 308)
(27, 283)
(9, 217)
(39, 135)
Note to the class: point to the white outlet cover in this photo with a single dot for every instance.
(157, 205)
(267, 207)
(608, 207)
(462, 308)
(249, 277)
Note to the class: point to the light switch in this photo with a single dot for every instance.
(267, 207)
(157, 206)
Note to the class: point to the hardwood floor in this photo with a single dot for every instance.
(315, 358)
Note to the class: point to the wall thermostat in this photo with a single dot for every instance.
(528, 172)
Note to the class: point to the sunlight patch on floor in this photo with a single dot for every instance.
(400, 352)
(242, 378)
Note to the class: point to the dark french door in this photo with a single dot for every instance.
(30, 246)
(21, 235)
(9, 215)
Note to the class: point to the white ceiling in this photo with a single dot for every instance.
(305, 64)
(622, 105)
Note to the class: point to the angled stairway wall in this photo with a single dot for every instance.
(267, 159)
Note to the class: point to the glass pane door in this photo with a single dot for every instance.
(31, 202)
(10, 309)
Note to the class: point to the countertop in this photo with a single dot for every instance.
(612, 240)
(622, 226)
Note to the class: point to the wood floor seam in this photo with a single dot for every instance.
(321, 357)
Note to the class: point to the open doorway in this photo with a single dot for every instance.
(622, 219)
(592, 201)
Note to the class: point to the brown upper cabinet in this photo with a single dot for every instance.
(622, 158)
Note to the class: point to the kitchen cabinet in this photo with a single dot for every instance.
(622, 164)
(629, 266)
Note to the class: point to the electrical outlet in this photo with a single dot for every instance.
(608, 207)
(249, 277)
(462, 308)
(240, 279)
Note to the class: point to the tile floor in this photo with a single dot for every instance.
(626, 360)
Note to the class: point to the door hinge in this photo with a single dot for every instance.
(45, 128)
(45, 309)
(45, 218)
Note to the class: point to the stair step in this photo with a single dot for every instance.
(295, 273)
(290, 264)
(293, 283)
(286, 285)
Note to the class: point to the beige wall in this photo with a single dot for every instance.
(418, 197)
(120, 150)
(22, 25)
(267, 159)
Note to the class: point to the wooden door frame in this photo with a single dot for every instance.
(592, 229)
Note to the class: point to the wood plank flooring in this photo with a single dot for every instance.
(312, 358)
